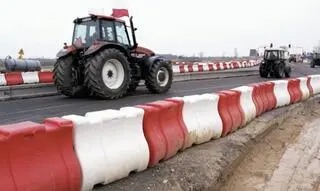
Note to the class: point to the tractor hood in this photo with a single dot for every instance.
(142, 50)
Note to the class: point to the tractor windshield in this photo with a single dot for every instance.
(271, 55)
(85, 33)
(114, 32)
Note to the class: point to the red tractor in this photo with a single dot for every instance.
(103, 61)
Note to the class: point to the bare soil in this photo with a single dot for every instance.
(288, 158)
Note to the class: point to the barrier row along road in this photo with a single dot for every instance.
(18, 78)
(77, 152)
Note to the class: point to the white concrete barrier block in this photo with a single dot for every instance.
(315, 83)
(3, 81)
(281, 92)
(206, 67)
(246, 102)
(195, 68)
(30, 77)
(186, 69)
(201, 117)
(175, 69)
(221, 66)
(215, 67)
(228, 65)
(125, 146)
(304, 88)
(89, 150)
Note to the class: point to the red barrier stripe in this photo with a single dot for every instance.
(272, 100)
(294, 90)
(230, 111)
(181, 68)
(218, 65)
(36, 150)
(309, 86)
(190, 68)
(257, 99)
(164, 129)
(210, 67)
(13, 78)
(45, 77)
(200, 68)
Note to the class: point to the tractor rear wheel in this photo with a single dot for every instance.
(65, 77)
(279, 70)
(263, 71)
(160, 76)
(107, 74)
(287, 71)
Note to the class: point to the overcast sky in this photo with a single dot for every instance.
(165, 26)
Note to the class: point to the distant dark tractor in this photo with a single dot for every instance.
(104, 62)
(275, 64)
(292, 58)
(315, 60)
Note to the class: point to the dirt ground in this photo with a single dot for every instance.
(286, 159)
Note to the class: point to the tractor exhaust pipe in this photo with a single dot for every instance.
(135, 44)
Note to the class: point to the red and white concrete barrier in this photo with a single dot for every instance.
(19, 78)
(109, 144)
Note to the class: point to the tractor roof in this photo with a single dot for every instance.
(110, 18)
(275, 49)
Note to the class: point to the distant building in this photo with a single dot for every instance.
(253, 53)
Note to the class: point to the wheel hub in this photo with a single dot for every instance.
(113, 74)
(163, 76)
(110, 74)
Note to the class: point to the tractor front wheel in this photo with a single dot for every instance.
(312, 64)
(160, 76)
(107, 74)
(66, 78)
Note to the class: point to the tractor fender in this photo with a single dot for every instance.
(149, 61)
(152, 59)
(66, 51)
(102, 45)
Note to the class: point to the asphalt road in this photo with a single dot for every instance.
(36, 109)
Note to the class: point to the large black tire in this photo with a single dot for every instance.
(65, 78)
(312, 64)
(263, 71)
(279, 70)
(94, 72)
(287, 72)
(135, 69)
(160, 72)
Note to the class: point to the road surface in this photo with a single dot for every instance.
(36, 109)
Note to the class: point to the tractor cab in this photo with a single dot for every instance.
(274, 63)
(275, 54)
(95, 29)
(316, 55)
